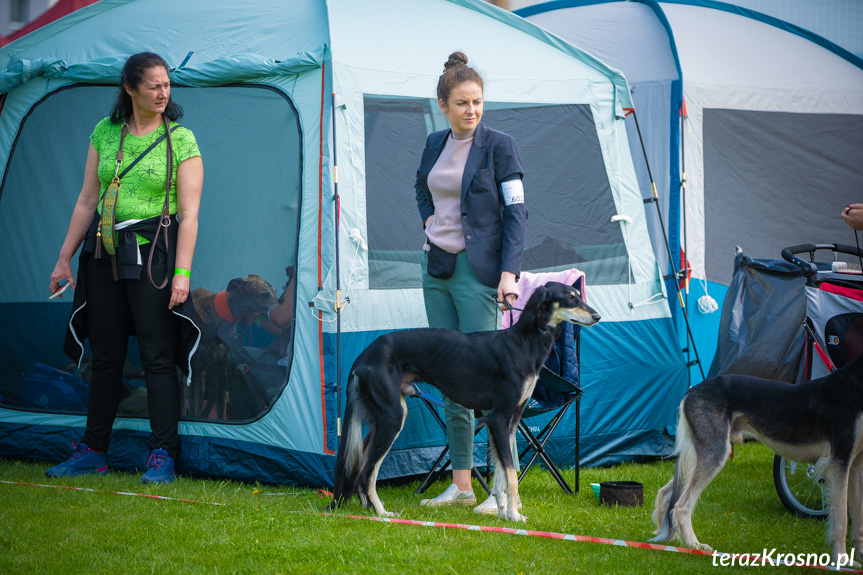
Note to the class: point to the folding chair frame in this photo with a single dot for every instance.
(537, 444)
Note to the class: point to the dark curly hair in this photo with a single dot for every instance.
(132, 75)
(455, 73)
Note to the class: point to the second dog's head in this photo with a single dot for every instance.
(251, 295)
(556, 302)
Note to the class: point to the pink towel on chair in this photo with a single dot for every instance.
(528, 282)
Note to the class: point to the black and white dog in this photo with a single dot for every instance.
(816, 421)
(490, 370)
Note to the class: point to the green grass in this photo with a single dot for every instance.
(273, 529)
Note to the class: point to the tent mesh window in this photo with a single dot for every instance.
(567, 191)
(249, 138)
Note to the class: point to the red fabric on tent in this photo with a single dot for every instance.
(56, 11)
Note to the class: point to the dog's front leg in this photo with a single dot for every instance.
(512, 485)
(499, 481)
(837, 475)
(855, 502)
(505, 477)
(512, 493)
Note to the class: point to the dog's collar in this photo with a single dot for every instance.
(223, 309)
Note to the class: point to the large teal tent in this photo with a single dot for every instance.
(261, 83)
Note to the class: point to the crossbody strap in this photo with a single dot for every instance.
(145, 152)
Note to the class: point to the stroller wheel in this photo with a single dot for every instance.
(801, 488)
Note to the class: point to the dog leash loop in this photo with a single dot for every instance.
(508, 305)
(505, 302)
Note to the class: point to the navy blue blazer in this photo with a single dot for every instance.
(494, 229)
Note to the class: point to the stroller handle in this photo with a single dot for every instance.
(809, 269)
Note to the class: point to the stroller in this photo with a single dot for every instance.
(793, 320)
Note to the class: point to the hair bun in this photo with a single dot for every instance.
(455, 72)
(455, 59)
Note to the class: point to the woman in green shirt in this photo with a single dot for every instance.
(116, 295)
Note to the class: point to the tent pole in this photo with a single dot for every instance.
(339, 304)
(674, 273)
(686, 271)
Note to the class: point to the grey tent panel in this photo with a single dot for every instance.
(259, 184)
(395, 135)
(567, 192)
(766, 177)
(47, 162)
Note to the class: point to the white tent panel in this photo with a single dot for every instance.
(732, 50)
(641, 44)
(840, 21)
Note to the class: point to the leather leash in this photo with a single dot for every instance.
(165, 220)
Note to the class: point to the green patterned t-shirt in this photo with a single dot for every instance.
(142, 189)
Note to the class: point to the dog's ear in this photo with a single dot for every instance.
(537, 306)
(235, 284)
(549, 294)
(538, 295)
(543, 293)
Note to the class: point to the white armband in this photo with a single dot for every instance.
(512, 191)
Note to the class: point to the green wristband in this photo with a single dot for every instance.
(182, 272)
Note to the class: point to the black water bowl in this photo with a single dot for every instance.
(624, 493)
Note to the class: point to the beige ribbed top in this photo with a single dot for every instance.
(444, 183)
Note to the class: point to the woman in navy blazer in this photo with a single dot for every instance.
(471, 200)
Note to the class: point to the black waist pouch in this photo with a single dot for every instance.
(441, 264)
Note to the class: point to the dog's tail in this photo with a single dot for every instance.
(684, 449)
(350, 457)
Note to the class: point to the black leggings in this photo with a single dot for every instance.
(113, 308)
